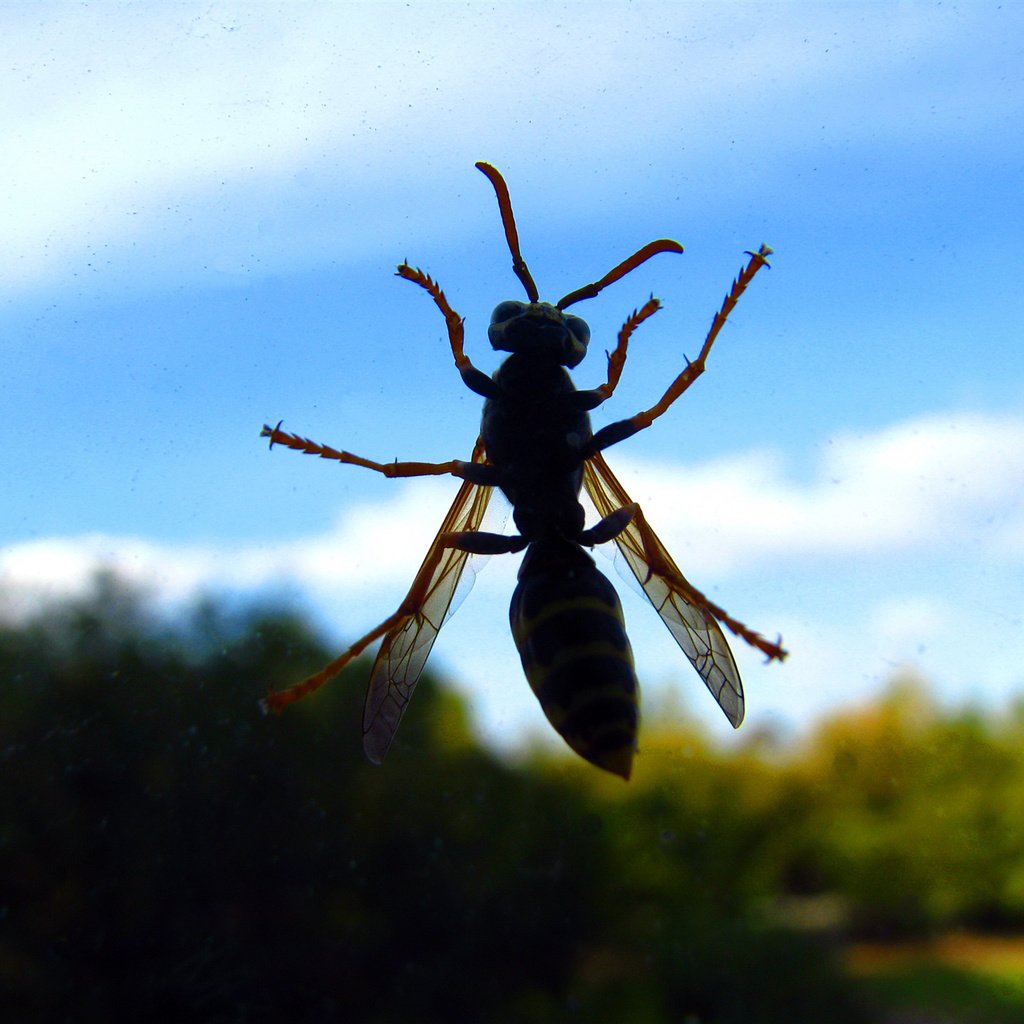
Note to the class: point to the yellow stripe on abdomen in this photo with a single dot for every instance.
(572, 642)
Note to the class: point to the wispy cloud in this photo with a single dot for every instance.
(910, 487)
(162, 129)
(370, 545)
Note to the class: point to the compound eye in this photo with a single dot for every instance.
(579, 328)
(507, 311)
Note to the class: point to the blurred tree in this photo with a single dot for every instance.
(166, 852)
(914, 813)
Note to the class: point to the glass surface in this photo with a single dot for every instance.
(204, 209)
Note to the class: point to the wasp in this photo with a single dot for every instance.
(536, 445)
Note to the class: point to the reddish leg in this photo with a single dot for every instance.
(473, 471)
(616, 432)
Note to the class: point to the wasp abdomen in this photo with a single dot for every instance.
(568, 626)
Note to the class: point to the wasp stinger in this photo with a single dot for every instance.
(537, 446)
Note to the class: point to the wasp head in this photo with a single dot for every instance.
(539, 329)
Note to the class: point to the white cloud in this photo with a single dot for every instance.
(184, 125)
(911, 623)
(134, 118)
(369, 547)
(915, 486)
(912, 487)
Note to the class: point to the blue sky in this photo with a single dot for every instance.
(203, 209)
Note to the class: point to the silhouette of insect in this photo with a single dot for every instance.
(537, 446)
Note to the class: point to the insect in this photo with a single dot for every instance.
(537, 446)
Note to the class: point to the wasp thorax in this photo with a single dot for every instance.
(538, 329)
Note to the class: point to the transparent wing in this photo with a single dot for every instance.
(405, 648)
(686, 612)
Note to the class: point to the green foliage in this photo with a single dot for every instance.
(937, 992)
(920, 814)
(166, 853)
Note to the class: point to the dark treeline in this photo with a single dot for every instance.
(168, 854)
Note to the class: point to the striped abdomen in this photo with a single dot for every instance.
(568, 625)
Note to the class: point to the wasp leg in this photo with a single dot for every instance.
(476, 380)
(407, 610)
(658, 566)
(479, 542)
(617, 357)
(610, 527)
(616, 432)
(473, 471)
